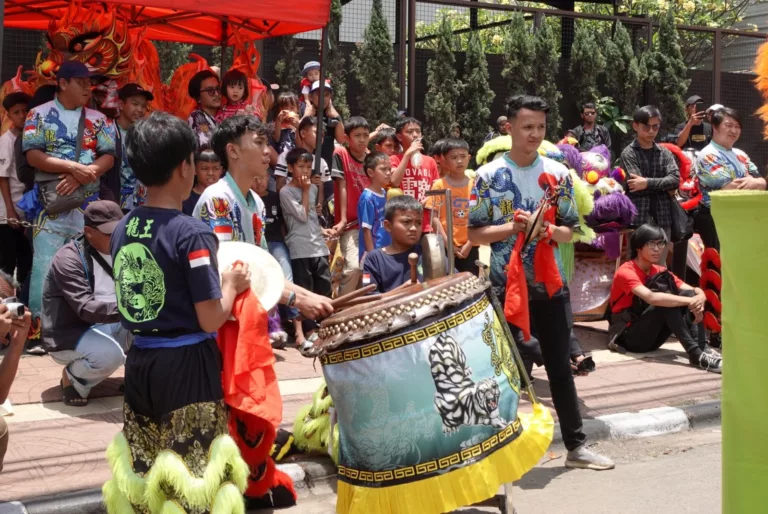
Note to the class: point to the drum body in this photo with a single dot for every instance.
(426, 391)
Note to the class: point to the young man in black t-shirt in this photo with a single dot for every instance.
(694, 133)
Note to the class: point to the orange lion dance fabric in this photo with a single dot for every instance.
(256, 408)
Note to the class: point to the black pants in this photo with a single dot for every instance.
(313, 274)
(651, 330)
(15, 252)
(680, 262)
(468, 262)
(550, 320)
(704, 225)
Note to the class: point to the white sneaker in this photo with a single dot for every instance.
(583, 458)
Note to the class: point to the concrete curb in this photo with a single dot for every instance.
(314, 472)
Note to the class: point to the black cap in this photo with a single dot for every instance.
(695, 99)
(103, 215)
(130, 90)
(75, 70)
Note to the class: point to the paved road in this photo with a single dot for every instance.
(671, 474)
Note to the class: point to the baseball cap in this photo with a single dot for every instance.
(103, 215)
(695, 99)
(130, 90)
(715, 107)
(311, 65)
(316, 86)
(75, 70)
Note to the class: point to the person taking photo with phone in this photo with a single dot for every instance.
(695, 133)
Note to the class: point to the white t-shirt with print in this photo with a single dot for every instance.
(8, 170)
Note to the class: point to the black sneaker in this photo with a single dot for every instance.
(36, 349)
(711, 362)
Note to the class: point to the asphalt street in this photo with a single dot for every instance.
(677, 474)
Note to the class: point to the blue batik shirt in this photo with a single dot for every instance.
(52, 129)
(502, 187)
(370, 214)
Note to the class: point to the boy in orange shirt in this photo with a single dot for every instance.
(454, 161)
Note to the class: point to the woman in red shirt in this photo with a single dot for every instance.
(647, 308)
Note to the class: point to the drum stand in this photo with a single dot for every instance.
(503, 498)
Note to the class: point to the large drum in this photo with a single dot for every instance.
(426, 391)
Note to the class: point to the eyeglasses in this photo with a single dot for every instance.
(213, 91)
(590, 113)
(656, 245)
(651, 128)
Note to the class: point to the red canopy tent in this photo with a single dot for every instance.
(188, 21)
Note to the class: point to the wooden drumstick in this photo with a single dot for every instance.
(413, 260)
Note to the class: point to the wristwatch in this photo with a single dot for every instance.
(291, 299)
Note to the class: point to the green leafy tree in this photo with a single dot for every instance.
(379, 91)
(443, 87)
(519, 51)
(626, 73)
(172, 55)
(667, 72)
(229, 55)
(586, 65)
(288, 68)
(476, 95)
(336, 62)
(547, 59)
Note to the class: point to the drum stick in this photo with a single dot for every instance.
(345, 299)
(413, 260)
(359, 301)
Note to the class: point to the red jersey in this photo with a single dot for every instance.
(417, 181)
(350, 170)
(628, 277)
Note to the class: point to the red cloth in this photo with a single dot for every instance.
(248, 376)
(354, 177)
(545, 271)
(251, 391)
(628, 277)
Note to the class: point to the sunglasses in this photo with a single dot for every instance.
(651, 128)
(590, 113)
(212, 91)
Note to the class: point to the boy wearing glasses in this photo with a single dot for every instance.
(589, 134)
(204, 88)
(653, 173)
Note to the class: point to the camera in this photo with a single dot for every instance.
(15, 307)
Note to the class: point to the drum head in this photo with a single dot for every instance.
(433, 257)
(396, 310)
(267, 279)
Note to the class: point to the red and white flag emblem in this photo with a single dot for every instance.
(223, 232)
(366, 279)
(199, 258)
(473, 199)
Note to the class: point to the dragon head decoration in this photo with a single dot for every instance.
(95, 36)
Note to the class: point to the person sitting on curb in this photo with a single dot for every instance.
(649, 304)
(81, 327)
(13, 332)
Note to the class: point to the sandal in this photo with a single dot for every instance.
(71, 397)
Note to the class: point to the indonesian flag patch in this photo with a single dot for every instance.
(199, 258)
(223, 232)
(473, 199)
(366, 279)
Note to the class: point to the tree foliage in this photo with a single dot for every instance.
(379, 91)
(519, 51)
(667, 72)
(586, 66)
(443, 87)
(229, 56)
(547, 59)
(476, 94)
(172, 55)
(288, 68)
(336, 62)
(625, 73)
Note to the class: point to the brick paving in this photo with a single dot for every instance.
(53, 456)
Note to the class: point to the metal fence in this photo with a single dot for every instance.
(720, 61)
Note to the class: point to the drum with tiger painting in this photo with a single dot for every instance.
(426, 391)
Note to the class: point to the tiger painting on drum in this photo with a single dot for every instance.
(459, 399)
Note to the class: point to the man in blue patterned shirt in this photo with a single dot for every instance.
(505, 193)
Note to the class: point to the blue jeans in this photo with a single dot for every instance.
(280, 252)
(97, 355)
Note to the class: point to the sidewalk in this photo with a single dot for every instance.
(54, 448)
